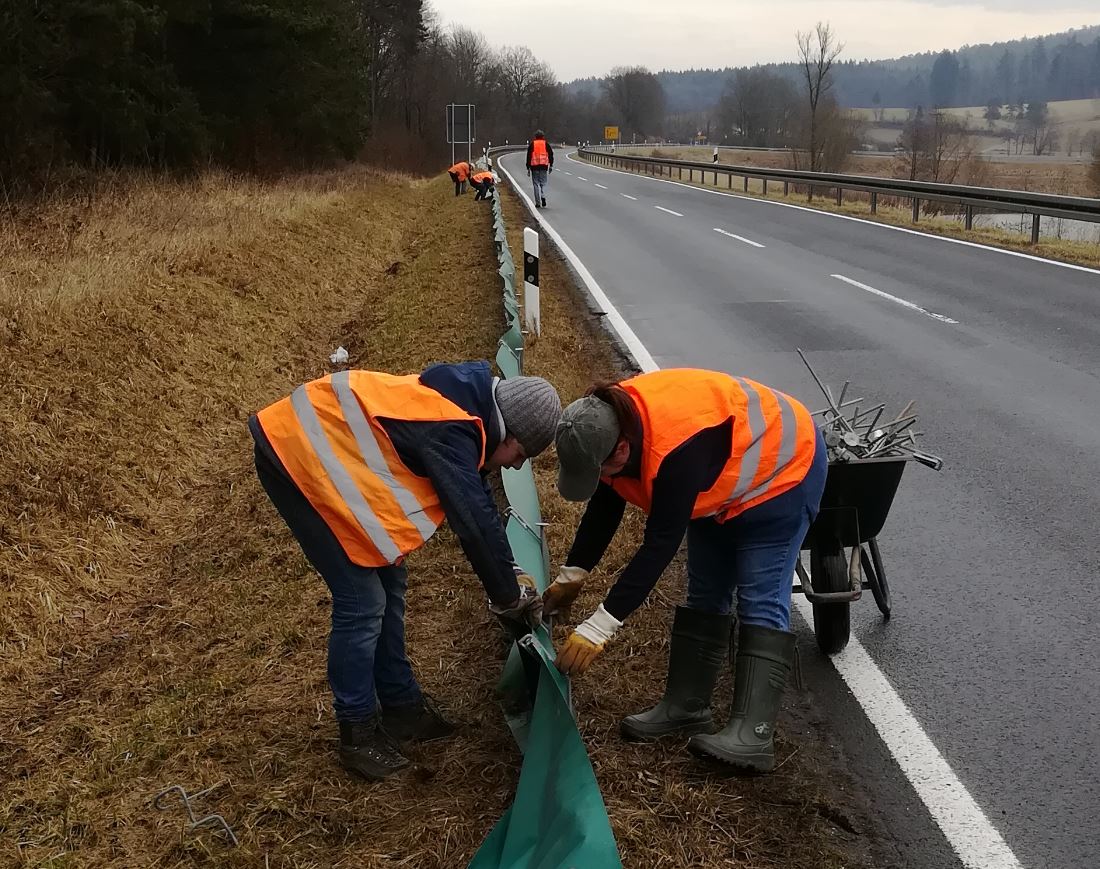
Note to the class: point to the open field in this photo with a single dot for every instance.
(158, 622)
(1073, 121)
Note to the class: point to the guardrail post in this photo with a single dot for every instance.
(1035, 228)
(916, 209)
(840, 196)
(786, 188)
(746, 183)
(969, 216)
(874, 202)
(680, 171)
(729, 180)
(764, 181)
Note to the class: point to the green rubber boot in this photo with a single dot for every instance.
(764, 660)
(696, 653)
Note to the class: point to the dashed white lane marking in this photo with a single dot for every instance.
(628, 196)
(581, 179)
(903, 302)
(568, 172)
(668, 210)
(601, 187)
(739, 237)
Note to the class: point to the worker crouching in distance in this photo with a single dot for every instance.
(740, 469)
(483, 182)
(460, 174)
(364, 467)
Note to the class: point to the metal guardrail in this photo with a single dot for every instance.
(1038, 205)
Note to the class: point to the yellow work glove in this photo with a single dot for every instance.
(586, 642)
(563, 591)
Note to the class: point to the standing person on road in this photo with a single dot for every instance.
(740, 469)
(540, 163)
(459, 173)
(482, 182)
(364, 467)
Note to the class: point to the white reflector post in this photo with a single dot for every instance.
(531, 281)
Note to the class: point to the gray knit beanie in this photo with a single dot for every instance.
(531, 409)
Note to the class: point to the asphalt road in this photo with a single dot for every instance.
(994, 561)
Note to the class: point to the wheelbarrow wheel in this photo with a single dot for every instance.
(876, 576)
(829, 572)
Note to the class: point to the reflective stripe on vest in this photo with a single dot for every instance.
(367, 439)
(539, 155)
(329, 437)
(773, 438)
(750, 459)
(341, 479)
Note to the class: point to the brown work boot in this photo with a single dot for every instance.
(420, 722)
(367, 750)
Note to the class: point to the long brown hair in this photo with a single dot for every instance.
(626, 414)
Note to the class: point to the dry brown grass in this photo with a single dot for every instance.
(158, 624)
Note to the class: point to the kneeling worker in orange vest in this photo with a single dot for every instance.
(459, 173)
(740, 469)
(483, 183)
(364, 467)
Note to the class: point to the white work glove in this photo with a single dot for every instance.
(586, 642)
(563, 590)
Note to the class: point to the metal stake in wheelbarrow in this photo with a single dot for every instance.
(866, 461)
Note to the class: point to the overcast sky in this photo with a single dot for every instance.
(581, 39)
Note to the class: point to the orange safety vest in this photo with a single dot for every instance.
(539, 155)
(482, 176)
(773, 437)
(328, 436)
(462, 170)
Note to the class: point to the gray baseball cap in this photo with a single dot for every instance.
(586, 436)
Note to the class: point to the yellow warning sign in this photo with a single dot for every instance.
(611, 134)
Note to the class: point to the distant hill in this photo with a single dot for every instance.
(1062, 66)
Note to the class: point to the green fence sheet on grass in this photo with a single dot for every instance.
(558, 819)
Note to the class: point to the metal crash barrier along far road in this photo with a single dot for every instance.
(558, 819)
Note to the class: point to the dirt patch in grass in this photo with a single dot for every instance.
(158, 624)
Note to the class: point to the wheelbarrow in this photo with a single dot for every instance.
(843, 545)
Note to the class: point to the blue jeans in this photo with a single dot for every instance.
(753, 554)
(367, 665)
(539, 175)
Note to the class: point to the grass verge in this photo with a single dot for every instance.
(158, 624)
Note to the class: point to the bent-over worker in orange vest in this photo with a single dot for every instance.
(483, 183)
(459, 173)
(740, 469)
(364, 467)
(540, 163)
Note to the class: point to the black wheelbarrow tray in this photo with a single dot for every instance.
(844, 553)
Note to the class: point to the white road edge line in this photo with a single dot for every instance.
(739, 237)
(964, 824)
(903, 302)
(759, 201)
(669, 210)
(628, 196)
(600, 186)
(633, 346)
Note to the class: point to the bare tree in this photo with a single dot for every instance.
(817, 52)
(637, 97)
(757, 107)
